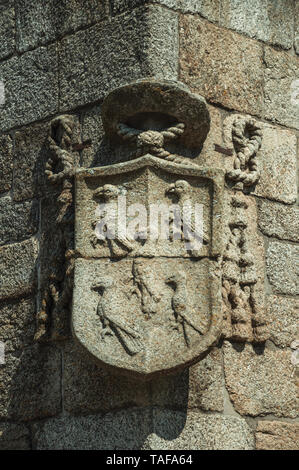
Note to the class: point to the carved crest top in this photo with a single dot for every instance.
(164, 103)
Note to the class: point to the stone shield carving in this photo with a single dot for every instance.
(147, 305)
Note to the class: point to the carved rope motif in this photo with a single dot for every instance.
(57, 294)
(247, 139)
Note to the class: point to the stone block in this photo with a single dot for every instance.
(98, 152)
(141, 43)
(17, 221)
(277, 161)
(282, 263)
(30, 384)
(278, 220)
(6, 163)
(260, 381)
(209, 9)
(221, 65)
(173, 430)
(43, 21)
(30, 155)
(14, 437)
(283, 314)
(88, 388)
(296, 33)
(268, 20)
(17, 323)
(281, 88)
(200, 386)
(124, 430)
(7, 28)
(18, 269)
(209, 157)
(31, 87)
(276, 435)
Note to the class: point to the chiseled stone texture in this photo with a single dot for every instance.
(89, 388)
(276, 435)
(31, 87)
(277, 160)
(200, 386)
(98, 152)
(17, 323)
(14, 437)
(17, 221)
(30, 384)
(281, 87)
(124, 430)
(221, 65)
(7, 28)
(259, 381)
(6, 163)
(18, 268)
(296, 33)
(209, 157)
(268, 20)
(141, 43)
(278, 220)
(30, 155)
(42, 21)
(173, 430)
(209, 9)
(283, 314)
(282, 263)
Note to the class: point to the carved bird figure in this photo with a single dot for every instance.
(110, 309)
(119, 245)
(181, 189)
(180, 304)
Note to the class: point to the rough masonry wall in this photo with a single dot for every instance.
(63, 57)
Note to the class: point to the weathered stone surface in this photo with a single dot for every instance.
(30, 154)
(6, 163)
(267, 20)
(14, 437)
(281, 88)
(209, 9)
(98, 150)
(7, 28)
(17, 323)
(173, 430)
(209, 157)
(17, 221)
(222, 66)
(139, 44)
(296, 33)
(18, 268)
(259, 381)
(276, 435)
(277, 164)
(35, 76)
(89, 388)
(283, 314)
(30, 384)
(282, 267)
(46, 20)
(200, 386)
(123, 430)
(278, 220)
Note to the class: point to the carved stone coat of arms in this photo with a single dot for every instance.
(157, 275)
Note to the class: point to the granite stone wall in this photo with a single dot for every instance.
(63, 56)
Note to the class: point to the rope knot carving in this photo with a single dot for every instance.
(247, 140)
(60, 141)
(153, 142)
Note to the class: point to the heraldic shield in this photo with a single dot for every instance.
(147, 302)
